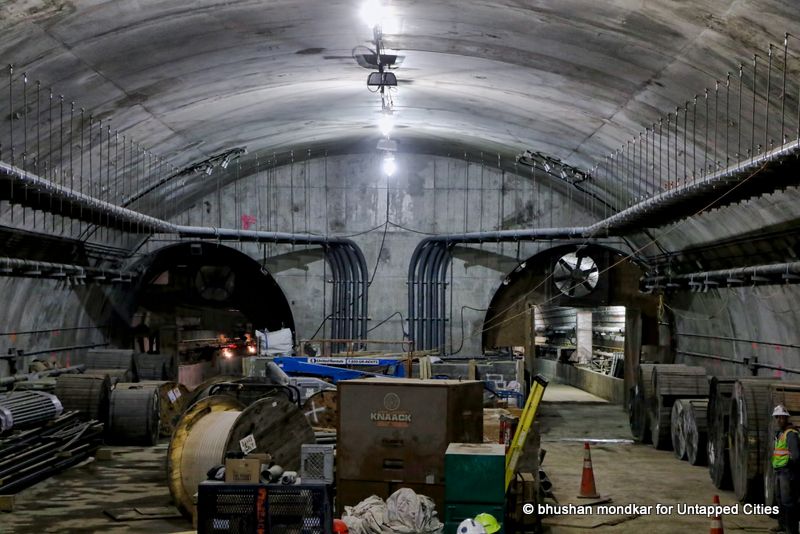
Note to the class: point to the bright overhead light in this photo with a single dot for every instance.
(377, 14)
(389, 166)
(386, 123)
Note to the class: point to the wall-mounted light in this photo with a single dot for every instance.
(389, 165)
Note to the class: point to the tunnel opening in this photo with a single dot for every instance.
(579, 306)
(199, 306)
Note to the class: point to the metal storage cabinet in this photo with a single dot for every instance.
(399, 429)
(475, 473)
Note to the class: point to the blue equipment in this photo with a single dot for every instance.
(329, 367)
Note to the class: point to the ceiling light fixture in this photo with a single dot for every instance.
(386, 123)
(389, 165)
(378, 15)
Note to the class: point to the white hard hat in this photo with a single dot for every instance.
(780, 410)
(470, 526)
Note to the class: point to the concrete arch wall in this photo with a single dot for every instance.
(347, 195)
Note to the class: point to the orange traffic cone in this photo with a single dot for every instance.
(588, 491)
(716, 521)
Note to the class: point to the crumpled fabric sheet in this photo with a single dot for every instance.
(404, 512)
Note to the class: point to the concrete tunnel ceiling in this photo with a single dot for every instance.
(572, 79)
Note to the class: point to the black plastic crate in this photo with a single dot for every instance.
(271, 508)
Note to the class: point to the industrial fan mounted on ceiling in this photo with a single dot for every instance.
(575, 274)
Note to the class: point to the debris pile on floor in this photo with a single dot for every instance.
(403, 512)
(29, 456)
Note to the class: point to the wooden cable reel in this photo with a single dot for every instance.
(214, 426)
(172, 403)
(695, 430)
(676, 428)
(669, 383)
(641, 400)
(85, 393)
(134, 414)
(322, 409)
(718, 416)
(750, 415)
(202, 390)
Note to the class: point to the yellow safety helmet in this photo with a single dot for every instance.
(490, 524)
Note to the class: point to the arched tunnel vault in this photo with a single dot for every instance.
(207, 286)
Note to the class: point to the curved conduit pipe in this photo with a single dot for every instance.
(427, 275)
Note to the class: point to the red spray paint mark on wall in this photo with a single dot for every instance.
(248, 221)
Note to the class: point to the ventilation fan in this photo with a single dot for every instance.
(215, 283)
(575, 276)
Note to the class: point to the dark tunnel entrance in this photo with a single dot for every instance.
(199, 305)
(580, 302)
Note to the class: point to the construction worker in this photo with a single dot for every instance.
(470, 526)
(786, 462)
(489, 523)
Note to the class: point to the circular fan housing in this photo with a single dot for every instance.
(575, 276)
(215, 282)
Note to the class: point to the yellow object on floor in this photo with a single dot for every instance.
(525, 422)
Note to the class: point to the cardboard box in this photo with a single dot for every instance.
(247, 471)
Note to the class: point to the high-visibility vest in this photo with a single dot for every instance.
(780, 455)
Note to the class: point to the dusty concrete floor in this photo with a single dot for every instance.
(624, 471)
(74, 501)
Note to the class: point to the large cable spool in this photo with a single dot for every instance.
(638, 414)
(676, 428)
(750, 416)
(695, 430)
(133, 414)
(86, 393)
(154, 366)
(669, 383)
(203, 389)
(321, 409)
(172, 403)
(788, 394)
(215, 425)
(720, 390)
(115, 376)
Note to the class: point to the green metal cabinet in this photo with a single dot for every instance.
(475, 473)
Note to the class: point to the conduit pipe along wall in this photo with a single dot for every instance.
(427, 275)
(348, 266)
(775, 273)
(45, 269)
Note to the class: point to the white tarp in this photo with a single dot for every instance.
(404, 512)
(278, 342)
